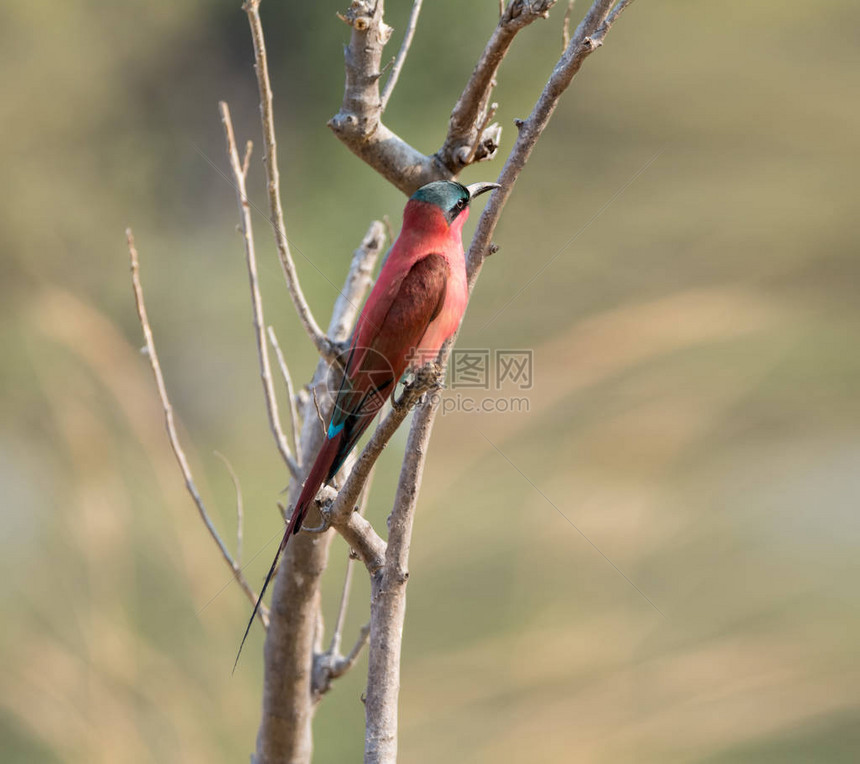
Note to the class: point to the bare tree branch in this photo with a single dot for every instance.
(336, 637)
(565, 27)
(337, 634)
(358, 124)
(256, 299)
(471, 137)
(487, 136)
(361, 536)
(246, 162)
(252, 8)
(388, 585)
(388, 601)
(344, 664)
(291, 393)
(240, 506)
(172, 435)
(586, 39)
(391, 82)
(471, 108)
(320, 417)
(332, 664)
(619, 8)
(358, 280)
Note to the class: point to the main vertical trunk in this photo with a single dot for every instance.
(388, 599)
(285, 733)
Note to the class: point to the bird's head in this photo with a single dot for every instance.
(451, 198)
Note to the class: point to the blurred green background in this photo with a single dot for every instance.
(694, 413)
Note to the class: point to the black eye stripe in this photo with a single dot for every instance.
(455, 210)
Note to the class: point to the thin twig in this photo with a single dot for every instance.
(587, 38)
(240, 508)
(172, 435)
(358, 279)
(467, 115)
(323, 346)
(246, 162)
(479, 139)
(565, 27)
(334, 647)
(613, 16)
(291, 394)
(401, 56)
(256, 297)
(337, 634)
(331, 664)
(345, 664)
(320, 417)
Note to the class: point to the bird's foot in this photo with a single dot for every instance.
(325, 514)
(424, 379)
(428, 377)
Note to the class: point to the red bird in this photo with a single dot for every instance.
(416, 304)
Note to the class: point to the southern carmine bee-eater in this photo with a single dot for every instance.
(415, 305)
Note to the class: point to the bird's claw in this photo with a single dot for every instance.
(325, 513)
(424, 378)
(428, 376)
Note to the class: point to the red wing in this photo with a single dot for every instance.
(418, 301)
(372, 371)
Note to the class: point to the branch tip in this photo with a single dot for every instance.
(239, 178)
(270, 159)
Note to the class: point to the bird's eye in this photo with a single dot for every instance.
(460, 205)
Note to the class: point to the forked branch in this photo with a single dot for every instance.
(467, 129)
(471, 135)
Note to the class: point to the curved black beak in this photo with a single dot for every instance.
(476, 189)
